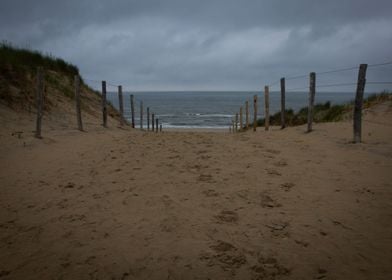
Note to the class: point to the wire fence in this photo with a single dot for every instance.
(298, 84)
(135, 108)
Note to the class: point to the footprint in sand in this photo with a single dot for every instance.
(206, 178)
(210, 193)
(279, 229)
(63, 204)
(269, 268)
(268, 202)
(73, 218)
(321, 273)
(227, 216)
(225, 255)
(302, 243)
(287, 186)
(273, 172)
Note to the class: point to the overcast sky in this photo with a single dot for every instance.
(206, 45)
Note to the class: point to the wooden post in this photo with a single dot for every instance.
(358, 103)
(132, 111)
(241, 123)
(312, 92)
(236, 122)
(39, 100)
(148, 118)
(282, 102)
(247, 114)
(233, 127)
(104, 108)
(120, 105)
(266, 107)
(156, 124)
(77, 101)
(152, 121)
(254, 112)
(160, 128)
(141, 115)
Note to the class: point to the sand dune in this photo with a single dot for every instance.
(124, 204)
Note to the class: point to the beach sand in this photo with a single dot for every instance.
(125, 204)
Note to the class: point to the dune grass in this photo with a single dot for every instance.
(324, 112)
(25, 58)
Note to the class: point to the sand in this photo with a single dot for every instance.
(124, 204)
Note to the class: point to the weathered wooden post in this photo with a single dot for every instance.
(120, 105)
(247, 114)
(254, 112)
(152, 121)
(39, 100)
(282, 102)
(241, 123)
(132, 111)
(141, 115)
(160, 128)
(236, 122)
(148, 118)
(77, 101)
(104, 106)
(266, 107)
(156, 124)
(312, 92)
(358, 103)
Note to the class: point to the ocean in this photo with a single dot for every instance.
(192, 109)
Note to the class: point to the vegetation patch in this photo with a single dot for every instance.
(324, 112)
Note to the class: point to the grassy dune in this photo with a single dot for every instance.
(325, 112)
(18, 69)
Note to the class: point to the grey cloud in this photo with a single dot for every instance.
(216, 44)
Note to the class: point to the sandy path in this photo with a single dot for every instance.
(120, 204)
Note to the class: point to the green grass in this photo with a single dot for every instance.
(324, 112)
(18, 71)
(24, 58)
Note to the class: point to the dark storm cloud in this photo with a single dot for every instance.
(222, 44)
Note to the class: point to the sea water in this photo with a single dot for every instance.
(213, 109)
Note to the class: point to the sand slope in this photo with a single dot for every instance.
(124, 204)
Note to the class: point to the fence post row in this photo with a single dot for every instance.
(77, 101)
(266, 107)
(282, 102)
(148, 118)
(358, 103)
(254, 112)
(39, 97)
(141, 115)
(132, 111)
(104, 107)
(312, 92)
(120, 105)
